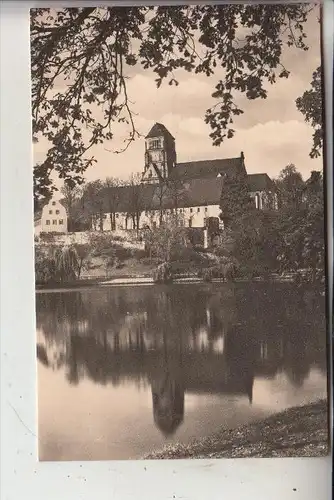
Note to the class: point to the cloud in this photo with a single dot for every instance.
(268, 147)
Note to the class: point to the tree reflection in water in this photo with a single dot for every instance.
(183, 339)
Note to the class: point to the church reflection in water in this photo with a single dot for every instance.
(181, 340)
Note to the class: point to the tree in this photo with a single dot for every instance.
(66, 263)
(291, 186)
(71, 196)
(235, 201)
(250, 235)
(161, 192)
(167, 241)
(93, 203)
(84, 253)
(90, 51)
(177, 193)
(56, 264)
(301, 223)
(135, 198)
(113, 196)
(310, 104)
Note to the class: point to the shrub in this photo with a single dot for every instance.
(56, 264)
(225, 270)
(147, 261)
(200, 249)
(47, 237)
(163, 273)
(45, 268)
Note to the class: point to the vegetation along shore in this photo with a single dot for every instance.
(301, 431)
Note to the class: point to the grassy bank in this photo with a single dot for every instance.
(297, 432)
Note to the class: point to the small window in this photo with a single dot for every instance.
(50, 212)
(47, 223)
(53, 203)
(116, 216)
(198, 210)
(191, 210)
(57, 212)
(61, 222)
(54, 222)
(206, 209)
(155, 144)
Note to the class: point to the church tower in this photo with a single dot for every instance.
(160, 154)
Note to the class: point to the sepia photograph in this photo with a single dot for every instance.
(179, 231)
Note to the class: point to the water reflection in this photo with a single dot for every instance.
(179, 340)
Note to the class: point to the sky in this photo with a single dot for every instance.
(272, 133)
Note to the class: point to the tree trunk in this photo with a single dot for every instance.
(137, 221)
(101, 221)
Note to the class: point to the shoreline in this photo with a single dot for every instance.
(129, 280)
(301, 431)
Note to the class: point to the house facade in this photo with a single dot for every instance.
(54, 218)
(190, 191)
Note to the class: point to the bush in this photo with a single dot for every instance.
(47, 237)
(147, 261)
(253, 270)
(221, 252)
(45, 268)
(56, 264)
(200, 249)
(182, 268)
(163, 273)
(226, 271)
(188, 255)
(303, 276)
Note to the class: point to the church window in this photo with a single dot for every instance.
(50, 212)
(47, 223)
(54, 222)
(53, 203)
(57, 212)
(61, 222)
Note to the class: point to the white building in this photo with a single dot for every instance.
(190, 190)
(54, 218)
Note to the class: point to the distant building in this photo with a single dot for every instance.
(192, 190)
(54, 218)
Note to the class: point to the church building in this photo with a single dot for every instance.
(191, 190)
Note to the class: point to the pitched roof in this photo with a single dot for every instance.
(157, 130)
(190, 193)
(209, 168)
(260, 182)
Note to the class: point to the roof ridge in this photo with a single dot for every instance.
(211, 159)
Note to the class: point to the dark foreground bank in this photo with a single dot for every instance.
(297, 432)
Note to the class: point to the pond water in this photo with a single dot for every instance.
(124, 371)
